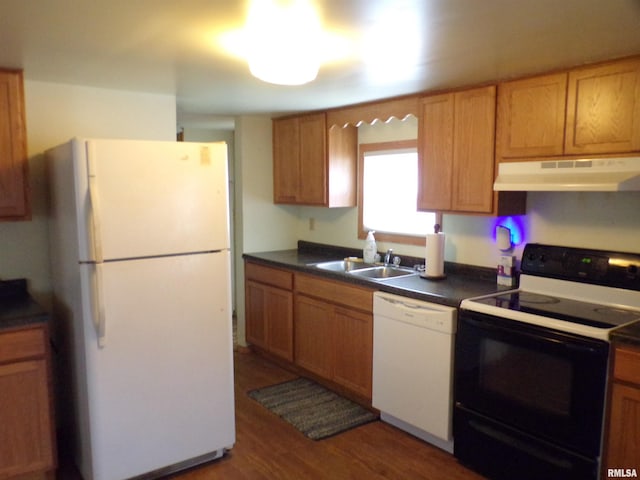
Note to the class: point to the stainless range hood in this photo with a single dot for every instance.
(584, 175)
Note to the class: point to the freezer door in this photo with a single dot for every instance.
(161, 390)
(153, 198)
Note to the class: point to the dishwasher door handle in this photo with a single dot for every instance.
(417, 306)
(414, 322)
(428, 310)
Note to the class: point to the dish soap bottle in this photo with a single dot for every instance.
(370, 248)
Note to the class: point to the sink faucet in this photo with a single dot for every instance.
(388, 257)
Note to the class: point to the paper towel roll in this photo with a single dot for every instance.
(434, 258)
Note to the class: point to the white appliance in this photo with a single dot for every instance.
(615, 174)
(413, 345)
(139, 238)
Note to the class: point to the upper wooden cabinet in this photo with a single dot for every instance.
(435, 152)
(603, 109)
(586, 111)
(14, 191)
(313, 163)
(455, 147)
(531, 117)
(456, 167)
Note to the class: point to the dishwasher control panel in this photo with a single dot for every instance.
(434, 316)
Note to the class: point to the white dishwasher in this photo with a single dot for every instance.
(413, 345)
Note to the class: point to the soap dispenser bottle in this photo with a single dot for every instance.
(370, 248)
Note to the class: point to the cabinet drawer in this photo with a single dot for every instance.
(19, 344)
(270, 276)
(335, 292)
(627, 364)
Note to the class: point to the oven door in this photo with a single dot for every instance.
(542, 382)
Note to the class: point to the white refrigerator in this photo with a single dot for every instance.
(139, 244)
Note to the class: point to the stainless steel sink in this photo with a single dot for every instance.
(365, 270)
(341, 265)
(383, 272)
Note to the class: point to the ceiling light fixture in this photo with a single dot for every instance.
(283, 41)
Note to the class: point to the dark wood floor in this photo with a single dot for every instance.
(269, 448)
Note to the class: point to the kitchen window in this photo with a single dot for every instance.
(388, 193)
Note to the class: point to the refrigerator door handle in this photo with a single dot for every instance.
(94, 198)
(98, 305)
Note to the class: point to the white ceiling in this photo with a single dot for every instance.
(169, 46)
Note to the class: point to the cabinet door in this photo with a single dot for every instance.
(26, 443)
(300, 160)
(473, 150)
(313, 187)
(286, 160)
(435, 150)
(279, 312)
(14, 189)
(255, 315)
(342, 161)
(269, 318)
(354, 350)
(623, 449)
(456, 148)
(531, 116)
(603, 109)
(314, 336)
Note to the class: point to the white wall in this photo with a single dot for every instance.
(55, 113)
(192, 134)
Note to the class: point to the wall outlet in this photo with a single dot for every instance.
(312, 223)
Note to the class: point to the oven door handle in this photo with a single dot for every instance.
(532, 450)
(585, 346)
(581, 348)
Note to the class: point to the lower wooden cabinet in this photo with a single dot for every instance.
(321, 326)
(270, 319)
(353, 350)
(26, 425)
(623, 436)
(269, 309)
(314, 335)
(334, 332)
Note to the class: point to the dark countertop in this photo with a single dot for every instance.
(462, 281)
(629, 335)
(17, 308)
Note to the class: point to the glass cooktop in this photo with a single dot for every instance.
(585, 313)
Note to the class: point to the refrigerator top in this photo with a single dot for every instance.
(137, 199)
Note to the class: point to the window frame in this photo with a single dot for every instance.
(363, 149)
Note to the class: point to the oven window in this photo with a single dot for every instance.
(527, 377)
